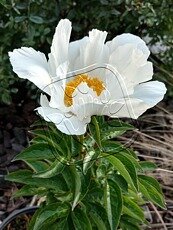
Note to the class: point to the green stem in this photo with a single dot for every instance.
(81, 139)
(97, 129)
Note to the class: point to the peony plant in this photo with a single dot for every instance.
(85, 177)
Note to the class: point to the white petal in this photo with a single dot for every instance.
(93, 51)
(117, 86)
(131, 64)
(44, 101)
(75, 48)
(32, 65)
(90, 109)
(66, 123)
(127, 38)
(145, 96)
(150, 92)
(57, 87)
(132, 108)
(60, 44)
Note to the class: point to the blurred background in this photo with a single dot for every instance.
(32, 23)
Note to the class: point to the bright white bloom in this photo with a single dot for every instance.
(90, 77)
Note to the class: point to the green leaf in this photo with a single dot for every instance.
(47, 215)
(118, 165)
(132, 209)
(55, 169)
(25, 177)
(36, 19)
(122, 183)
(151, 193)
(129, 224)
(128, 163)
(73, 181)
(100, 214)
(37, 152)
(28, 190)
(77, 185)
(148, 166)
(80, 219)
(62, 224)
(112, 147)
(153, 182)
(37, 166)
(98, 221)
(20, 19)
(114, 129)
(76, 146)
(114, 203)
(89, 160)
(57, 141)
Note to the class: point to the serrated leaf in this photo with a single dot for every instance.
(44, 217)
(25, 177)
(111, 131)
(37, 166)
(148, 166)
(114, 203)
(129, 225)
(81, 220)
(56, 141)
(89, 160)
(99, 211)
(76, 146)
(28, 190)
(132, 209)
(77, 184)
(122, 183)
(55, 169)
(153, 182)
(36, 152)
(118, 165)
(151, 193)
(73, 181)
(128, 163)
(112, 147)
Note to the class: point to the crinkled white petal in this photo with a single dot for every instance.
(90, 109)
(32, 65)
(93, 51)
(65, 122)
(128, 54)
(75, 51)
(131, 108)
(131, 64)
(128, 38)
(60, 45)
(145, 96)
(150, 92)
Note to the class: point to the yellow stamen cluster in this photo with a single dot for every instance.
(92, 82)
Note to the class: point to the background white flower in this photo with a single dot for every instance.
(90, 77)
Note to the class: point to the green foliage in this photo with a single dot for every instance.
(90, 189)
(32, 23)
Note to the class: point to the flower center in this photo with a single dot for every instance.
(92, 82)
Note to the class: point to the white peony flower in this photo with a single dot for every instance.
(90, 77)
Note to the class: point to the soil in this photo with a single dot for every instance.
(15, 121)
(19, 223)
